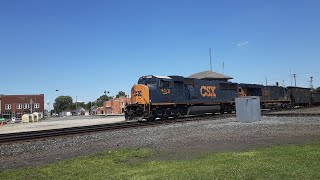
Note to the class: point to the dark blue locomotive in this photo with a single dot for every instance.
(173, 96)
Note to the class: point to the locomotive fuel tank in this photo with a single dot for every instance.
(197, 110)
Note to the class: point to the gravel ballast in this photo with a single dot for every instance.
(176, 140)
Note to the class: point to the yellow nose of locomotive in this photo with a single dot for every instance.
(140, 94)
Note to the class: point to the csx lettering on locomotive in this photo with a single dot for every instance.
(208, 91)
(165, 91)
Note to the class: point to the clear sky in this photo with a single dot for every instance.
(83, 47)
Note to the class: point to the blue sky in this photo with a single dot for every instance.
(85, 47)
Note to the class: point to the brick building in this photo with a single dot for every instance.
(117, 105)
(17, 105)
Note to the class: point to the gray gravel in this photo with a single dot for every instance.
(299, 110)
(180, 140)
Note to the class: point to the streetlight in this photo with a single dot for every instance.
(49, 109)
(54, 101)
(105, 100)
(77, 105)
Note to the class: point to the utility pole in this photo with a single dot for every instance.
(77, 105)
(290, 77)
(223, 68)
(266, 81)
(210, 59)
(49, 109)
(295, 80)
(311, 83)
(31, 103)
(104, 103)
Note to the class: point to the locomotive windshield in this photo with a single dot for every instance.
(148, 81)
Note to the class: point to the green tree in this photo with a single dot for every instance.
(89, 105)
(121, 94)
(102, 99)
(62, 103)
(318, 89)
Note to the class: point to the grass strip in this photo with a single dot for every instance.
(276, 162)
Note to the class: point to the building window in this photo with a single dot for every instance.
(19, 106)
(36, 105)
(8, 106)
(26, 106)
(6, 113)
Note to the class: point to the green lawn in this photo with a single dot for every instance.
(278, 162)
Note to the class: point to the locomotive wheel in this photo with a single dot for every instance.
(222, 109)
(176, 115)
(152, 118)
(164, 117)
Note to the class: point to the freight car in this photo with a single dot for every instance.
(277, 97)
(299, 96)
(315, 98)
(273, 97)
(172, 96)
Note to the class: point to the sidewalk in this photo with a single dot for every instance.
(61, 122)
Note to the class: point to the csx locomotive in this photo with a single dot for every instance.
(172, 96)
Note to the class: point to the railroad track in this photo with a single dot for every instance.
(292, 114)
(44, 134)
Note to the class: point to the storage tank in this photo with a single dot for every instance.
(36, 116)
(25, 118)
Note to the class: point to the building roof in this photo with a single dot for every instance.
(80, 109)
(209, 75)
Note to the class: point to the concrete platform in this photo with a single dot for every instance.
(60, 122)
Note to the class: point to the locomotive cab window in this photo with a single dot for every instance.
(147, 81)
(165, 83)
